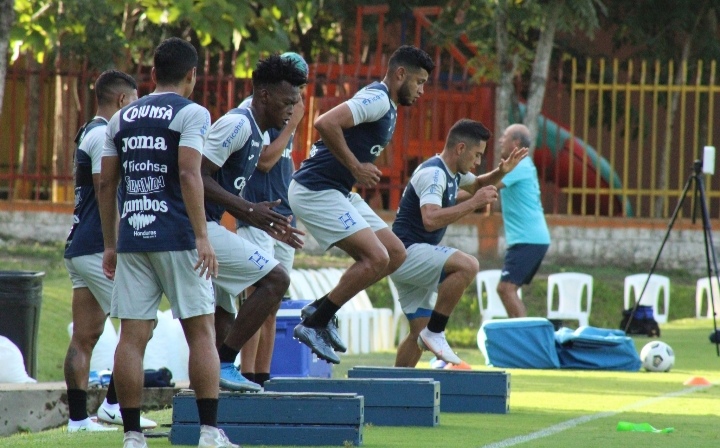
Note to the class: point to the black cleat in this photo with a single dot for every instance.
(317, 340)
(332, 329)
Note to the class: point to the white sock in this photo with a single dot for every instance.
(111, 407)
(79, 423)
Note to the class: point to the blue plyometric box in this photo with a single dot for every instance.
(460, 390)
(387, 401)
(291, 358)
(270, 418)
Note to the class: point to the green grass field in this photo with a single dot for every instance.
(547, 408)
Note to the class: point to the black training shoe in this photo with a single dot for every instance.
(317, 340)
(332, 329)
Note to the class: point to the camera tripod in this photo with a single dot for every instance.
(699, 200)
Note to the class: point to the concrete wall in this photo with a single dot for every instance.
(40, 406)
(35, 222)
(577, 240)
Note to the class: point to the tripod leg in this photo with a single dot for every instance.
(709, 249)
(662, 245)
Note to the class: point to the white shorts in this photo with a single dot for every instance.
(141, 278)
(279, 250)
(86, 272)
(241, 264)
(329, 215)
(417, 279)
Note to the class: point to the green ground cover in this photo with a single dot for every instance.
(548, 408)
(462, 329)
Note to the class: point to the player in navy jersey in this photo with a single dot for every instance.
(353, 134)
(92, 291)
(230, 156)
(433, 277)
(269, 183)
(160, 245)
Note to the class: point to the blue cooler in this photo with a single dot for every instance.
(292, 358)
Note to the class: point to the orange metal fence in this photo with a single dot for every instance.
(44, 108)
(609, 144)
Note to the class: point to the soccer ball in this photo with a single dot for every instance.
(657, 356)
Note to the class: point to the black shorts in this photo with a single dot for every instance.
(522, 262)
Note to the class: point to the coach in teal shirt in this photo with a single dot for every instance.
(526, 231)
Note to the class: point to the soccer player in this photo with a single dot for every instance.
(352, 135)
(231, 153)
(433, 277)
(160, 244)
(526, 231)
(92, 291)
(269, 183)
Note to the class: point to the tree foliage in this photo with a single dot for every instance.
(520, 34)
(7, 15)
(123, 33)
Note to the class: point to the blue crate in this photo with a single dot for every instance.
(290, 357)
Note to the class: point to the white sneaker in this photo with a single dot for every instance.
(212, 437)
(87, 425)
(111, 414)
(134, 439)
(436, 343)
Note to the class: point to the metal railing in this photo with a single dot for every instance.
(616, 139)
(637, 129)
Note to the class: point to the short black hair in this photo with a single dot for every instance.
(276, 69)
(411, 58)
(468, 131)
(173, 58)
(110, 83)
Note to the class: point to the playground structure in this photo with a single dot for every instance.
(567, 160)
(581, 164)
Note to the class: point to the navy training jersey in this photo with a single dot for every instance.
(146, 135)
(85, 237)
(431, 183)
(375, 116)
(234, 143)
(274, 184)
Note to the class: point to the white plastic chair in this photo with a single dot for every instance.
(178, 350)
(657, 286)
(13, 366)
(351, 324)
(571, 287)
(318, 285)
(377, 330)
(491, 305)
(702, 291)
(103, 355)
(400, 323)
(300, 288)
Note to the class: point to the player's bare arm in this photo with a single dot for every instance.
(272, 152)
(193, 197)
(436, 217)
(330, 126)
(258, 215)
(107, 203)
(495, 176)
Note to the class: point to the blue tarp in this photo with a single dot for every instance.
(531, 343)
(594, 348)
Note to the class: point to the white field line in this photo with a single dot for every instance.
(569, 424)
